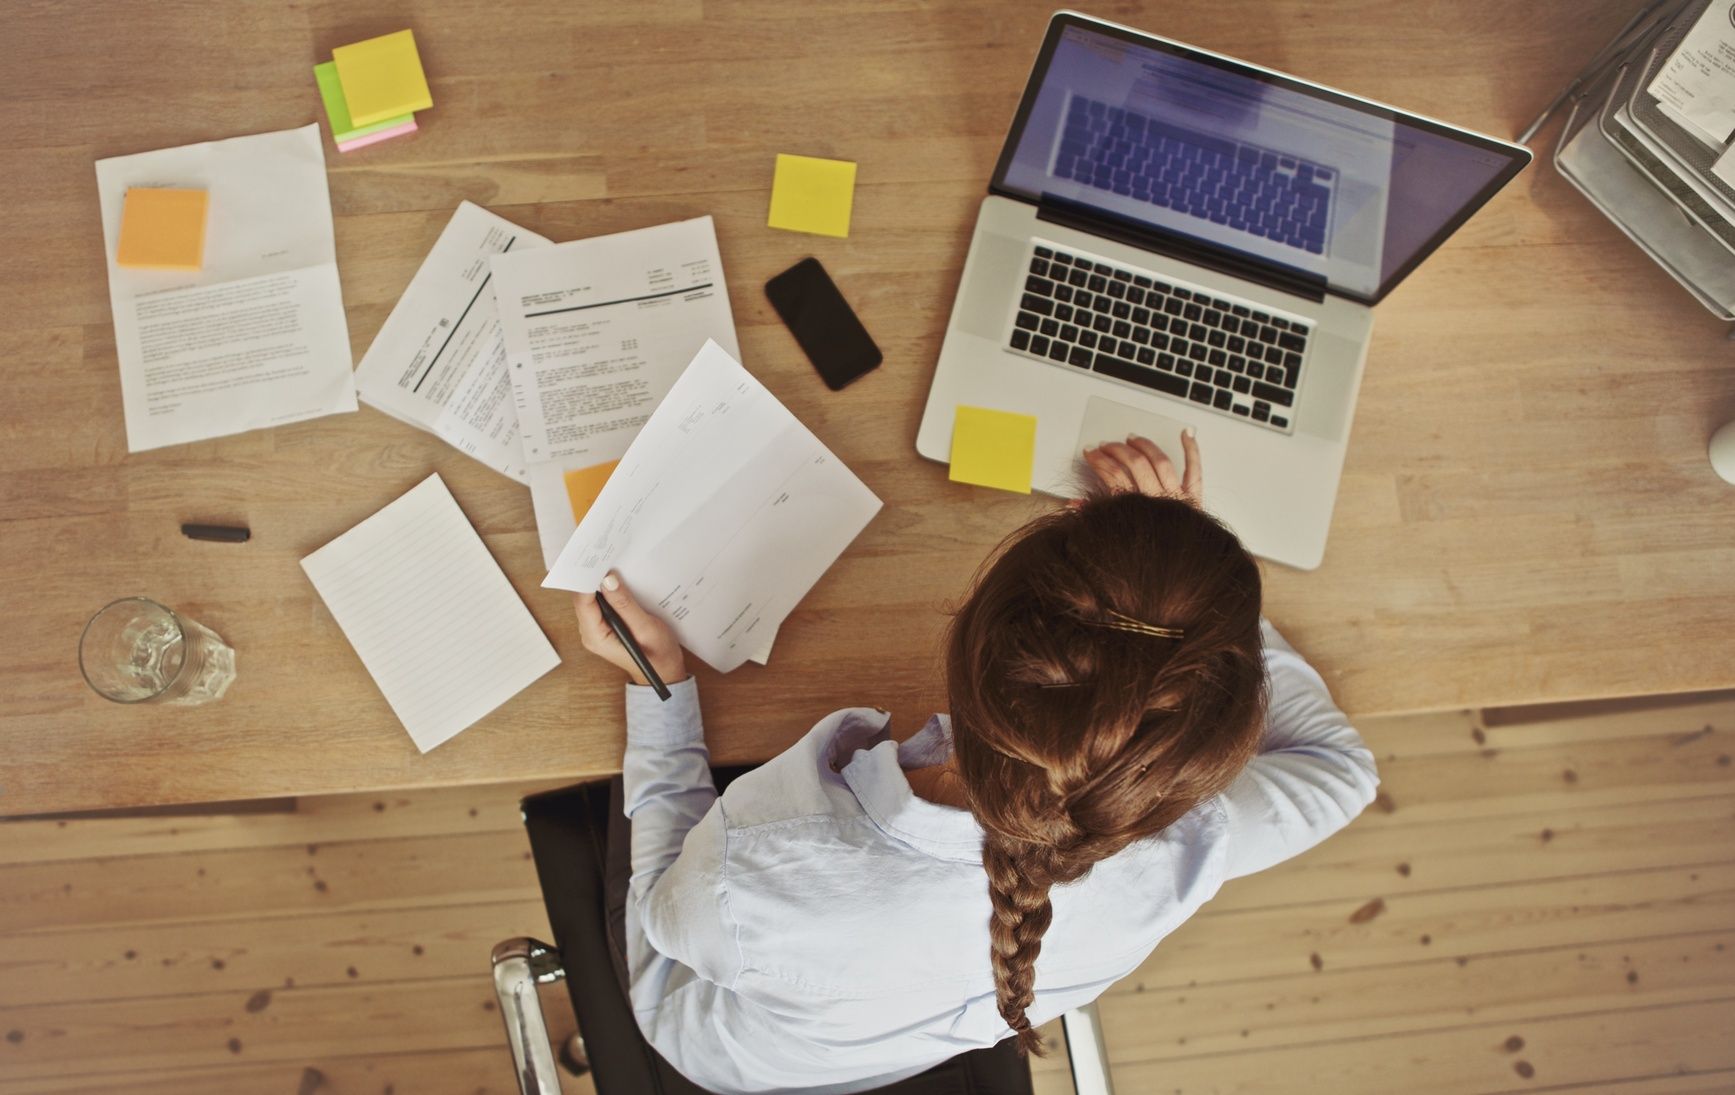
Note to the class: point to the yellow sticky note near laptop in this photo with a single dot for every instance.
(162, 229)
(993, 448)
(812, 195)
(382, 78)
(583, 486)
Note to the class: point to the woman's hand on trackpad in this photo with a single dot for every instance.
(1139, 464)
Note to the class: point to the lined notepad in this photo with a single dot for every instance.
(431, 614)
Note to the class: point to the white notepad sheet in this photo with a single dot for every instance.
(431, 614)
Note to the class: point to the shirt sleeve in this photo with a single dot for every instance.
(676, 915)
(1312, 776)
(665, 776)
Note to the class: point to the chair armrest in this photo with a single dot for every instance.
(1086, 1051)
(519, 966)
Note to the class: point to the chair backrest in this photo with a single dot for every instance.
(568, 832)
(568, 840)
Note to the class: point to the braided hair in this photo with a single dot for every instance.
(1075, 736)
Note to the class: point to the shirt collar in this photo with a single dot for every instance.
(873, 766)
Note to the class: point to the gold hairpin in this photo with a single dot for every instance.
(1121, 622)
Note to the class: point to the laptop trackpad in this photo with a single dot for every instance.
(1106, 420)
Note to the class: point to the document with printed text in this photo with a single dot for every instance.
(598, 329)
(721, 516)
(256, 337)
(439, 361)
(1696, 87)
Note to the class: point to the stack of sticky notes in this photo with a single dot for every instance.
(812, 195)
(373, 89)
(162, 229)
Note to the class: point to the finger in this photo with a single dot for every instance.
(1112, 475)
(615, 591)
(1144, 476)
(1160, 463)
(1193, 480)
(593, 630)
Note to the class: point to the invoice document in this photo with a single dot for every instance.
(597, 330)
(439, 361)
(1696, 87)
(255, 338)
(721, 516)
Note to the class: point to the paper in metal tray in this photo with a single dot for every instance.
(1678, 181)
(1679, 244)
(1692, 155)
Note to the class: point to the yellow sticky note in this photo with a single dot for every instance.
(382, 78)
(809, 195)
(993, 448)
(583, 485)
(162, 229)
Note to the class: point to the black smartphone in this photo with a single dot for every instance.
(823, 324)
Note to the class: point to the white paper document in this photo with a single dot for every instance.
(721, 516)
(1696, 87)
(255, 338)
(439, 361)
(555, 525)
(1724, 166)
(597, 330)
(431, 614)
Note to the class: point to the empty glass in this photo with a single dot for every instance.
(137, 651)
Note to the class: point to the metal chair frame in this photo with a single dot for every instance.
(522, 963)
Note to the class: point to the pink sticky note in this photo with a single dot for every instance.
(375, 138)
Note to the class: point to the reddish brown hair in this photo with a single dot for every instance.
(1074, 739)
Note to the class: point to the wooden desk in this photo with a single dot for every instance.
(1527, 513)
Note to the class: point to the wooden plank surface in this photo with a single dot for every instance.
(1455, 951)
(1527, 513)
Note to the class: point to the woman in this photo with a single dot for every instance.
(1126, 734)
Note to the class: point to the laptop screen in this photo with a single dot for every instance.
(1264, 166)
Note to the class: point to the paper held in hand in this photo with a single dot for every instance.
(722, 514)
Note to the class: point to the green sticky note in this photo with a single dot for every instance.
(809, 195)
(993, 448)
(337, 110)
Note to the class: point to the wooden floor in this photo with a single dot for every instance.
(1532, 905)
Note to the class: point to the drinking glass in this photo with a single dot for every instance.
(138, 651)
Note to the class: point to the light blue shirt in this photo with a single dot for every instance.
(819, 928)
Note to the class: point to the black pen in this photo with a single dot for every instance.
(619, 626)
(221, 533)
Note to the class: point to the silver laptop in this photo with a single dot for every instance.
(1176, 238)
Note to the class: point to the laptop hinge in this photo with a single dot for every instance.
(1071, 214)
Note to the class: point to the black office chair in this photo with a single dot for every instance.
(568, 838)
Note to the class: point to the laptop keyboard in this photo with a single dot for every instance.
(1279, 197)
(1083, 313)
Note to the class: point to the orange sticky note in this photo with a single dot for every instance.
(584, 484)
(162, 229)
